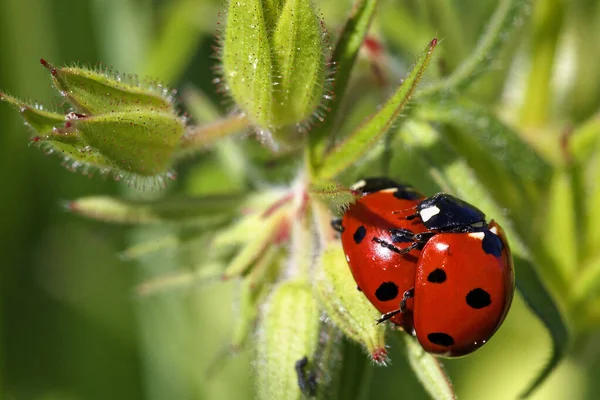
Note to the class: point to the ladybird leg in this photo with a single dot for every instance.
(410, 293)
(337, 225)
(393, 248)
(306, 382)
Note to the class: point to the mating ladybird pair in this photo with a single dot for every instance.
(430, 265)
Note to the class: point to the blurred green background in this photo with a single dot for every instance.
(71, 326)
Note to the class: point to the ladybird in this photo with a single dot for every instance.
(464, 286)
(374, 240)
(463, 280)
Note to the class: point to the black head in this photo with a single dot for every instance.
(443, 212)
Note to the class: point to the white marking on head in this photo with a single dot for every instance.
(494, 230)
(389, 190)
(441, 246)
(477, 235)
(429, 212)
(359, 185)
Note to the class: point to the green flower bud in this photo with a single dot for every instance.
(273, 60)
(139, 142)
(348, 309)
(288, 333)
(123, 128)
(93, 93)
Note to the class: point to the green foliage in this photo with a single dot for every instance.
(260, 222)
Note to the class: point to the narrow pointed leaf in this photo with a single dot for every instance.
(429, 370)
(343, 58)
(205, 275)
(170, 210)
(256, 246)
(366, 135)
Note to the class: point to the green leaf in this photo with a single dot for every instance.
(512, 171)
(94, 92)
(508, 15)
(452, 174)
(429, 370)
(247, 60)
(139, 142)
(539, 300)
(169, 210)
(206, 275)
(343, 58)
(366, 135)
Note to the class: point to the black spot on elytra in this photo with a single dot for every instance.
(478, 298)
(491, 244)
(441, 339)
(438, 275)
(360, 234)
(406, 193)
(386, 291)
(358, 288)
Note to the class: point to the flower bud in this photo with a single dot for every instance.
(91, 92)
(273, 60)
(125, 128)
(139, 142)
(289, 332)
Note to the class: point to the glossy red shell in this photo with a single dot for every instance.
(463, 289)
(380, 273)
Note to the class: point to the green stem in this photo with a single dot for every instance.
(344, 55)
(199, 137)
(548, 20)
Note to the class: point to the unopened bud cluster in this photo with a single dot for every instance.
(273, 61)
(130, 129)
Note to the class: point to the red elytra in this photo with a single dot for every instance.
(463, 289)
(459, 286)
(382, 274)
